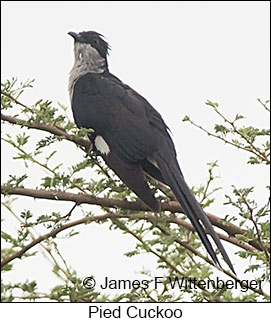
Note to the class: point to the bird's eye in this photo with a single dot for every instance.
(95, 41)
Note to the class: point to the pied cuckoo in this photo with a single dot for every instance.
(129, 133)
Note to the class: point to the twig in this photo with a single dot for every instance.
(48, 128)
(259, 155)
(256, 228)
(16, 101)
(264, 105)
(255, 150)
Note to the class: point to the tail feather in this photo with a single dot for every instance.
(173, 176)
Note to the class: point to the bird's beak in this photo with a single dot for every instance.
(74, 35)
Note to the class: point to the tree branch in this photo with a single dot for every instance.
(98, 218)
(126, 205)
(15, 100)
(48, 128)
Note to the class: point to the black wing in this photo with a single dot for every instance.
(137, 135)
(100, 102)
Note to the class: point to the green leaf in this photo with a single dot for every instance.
(186, 118)
(211, 104)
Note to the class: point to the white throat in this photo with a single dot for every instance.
(86, 60)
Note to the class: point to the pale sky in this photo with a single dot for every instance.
(177, 55)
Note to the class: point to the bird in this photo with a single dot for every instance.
(130, 134)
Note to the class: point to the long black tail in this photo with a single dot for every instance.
(172, 174)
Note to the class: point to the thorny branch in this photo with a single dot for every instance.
(172, 206)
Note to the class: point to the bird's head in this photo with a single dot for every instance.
(90, 52)
(91, 40)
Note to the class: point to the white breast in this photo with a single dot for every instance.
(86, 60)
